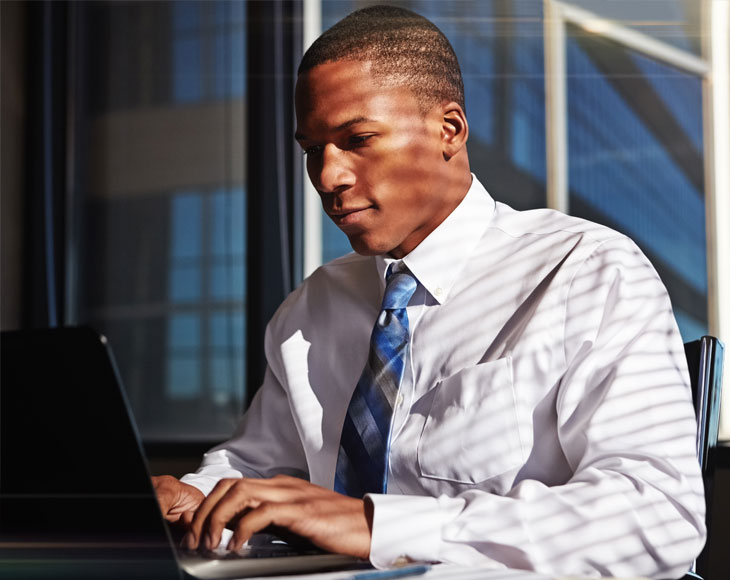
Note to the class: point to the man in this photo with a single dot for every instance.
(540, 415)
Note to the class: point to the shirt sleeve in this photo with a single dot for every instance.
(635, 502)
(266, 442)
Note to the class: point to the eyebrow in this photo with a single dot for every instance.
(354, 121)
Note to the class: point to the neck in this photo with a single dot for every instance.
(459, 179)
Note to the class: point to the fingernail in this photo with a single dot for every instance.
(209, 542)
(189, 541)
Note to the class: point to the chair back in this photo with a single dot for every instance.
(705, 360)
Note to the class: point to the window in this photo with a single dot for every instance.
(162, 207)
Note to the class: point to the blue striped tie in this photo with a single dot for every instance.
(362, 463)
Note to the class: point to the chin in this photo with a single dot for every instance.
(365, 248)
(367, 251)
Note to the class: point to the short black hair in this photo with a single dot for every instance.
(404, 48)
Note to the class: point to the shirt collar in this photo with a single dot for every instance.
(437, 261)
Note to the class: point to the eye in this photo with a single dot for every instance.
(312, 150)
(357, 140)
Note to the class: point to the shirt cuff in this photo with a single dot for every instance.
(405, 528)
(204, 483)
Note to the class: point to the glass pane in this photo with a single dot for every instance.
(500, 50)
(183, 376)
(636, 163)
(187, 226)
(188, 67)
(185, 282)
(163, 207)
(185, 16)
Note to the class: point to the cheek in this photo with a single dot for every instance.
(404, 165)
(417, 155)
(399, 172)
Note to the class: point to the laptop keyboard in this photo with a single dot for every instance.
(260, 546)
(258, 552)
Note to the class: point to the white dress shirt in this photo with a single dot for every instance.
(545, 418)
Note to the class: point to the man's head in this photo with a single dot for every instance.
(380, 116)
(404, 48)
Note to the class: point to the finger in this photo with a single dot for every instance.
(242, 496)
(192, 538)
(187, 518)
(249, 494)
(236, 503)
(264, 515)
(230, 498)
(171, 517)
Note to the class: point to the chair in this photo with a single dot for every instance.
(704, 359)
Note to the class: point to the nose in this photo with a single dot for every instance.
(330, 170)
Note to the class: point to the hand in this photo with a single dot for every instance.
(177, 499)
(332, 521)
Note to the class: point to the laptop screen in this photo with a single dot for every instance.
(75, 494)
(70, 459)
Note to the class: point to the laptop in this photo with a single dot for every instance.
(76, 500)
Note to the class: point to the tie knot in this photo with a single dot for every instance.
(399, 288)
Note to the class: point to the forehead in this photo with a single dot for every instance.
(333, 93)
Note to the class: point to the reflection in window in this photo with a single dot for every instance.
(186, 248)
(209, 51)
(226, 348)
(205, 343)
(162, 230)
(183, 359)
(227, 273)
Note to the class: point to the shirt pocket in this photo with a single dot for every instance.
(471, 433)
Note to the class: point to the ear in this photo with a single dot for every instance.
(454, 129)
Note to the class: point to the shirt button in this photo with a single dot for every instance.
(399, 400)
(438, 291)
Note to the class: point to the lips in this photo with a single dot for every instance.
(349, 216)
